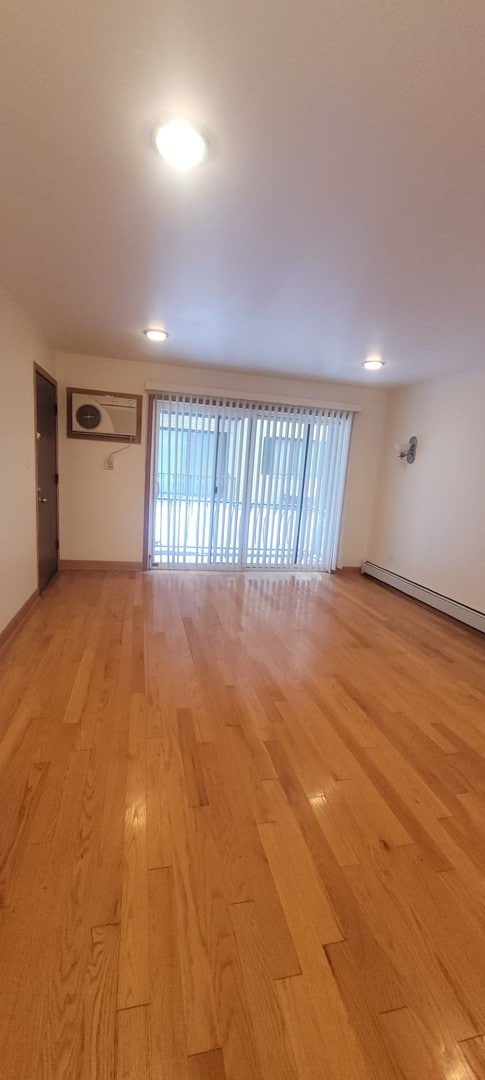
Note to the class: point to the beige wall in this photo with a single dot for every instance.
(20, 347)
(430, 516)
(102, 511)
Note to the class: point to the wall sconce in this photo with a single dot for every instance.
(407, 451)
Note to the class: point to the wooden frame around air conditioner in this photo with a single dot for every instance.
(102, 436)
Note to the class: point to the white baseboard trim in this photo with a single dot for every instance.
(464, 614)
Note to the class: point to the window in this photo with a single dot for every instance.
(246, 484)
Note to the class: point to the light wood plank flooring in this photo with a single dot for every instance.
(242, 833)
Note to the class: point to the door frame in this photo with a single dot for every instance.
(38, 370)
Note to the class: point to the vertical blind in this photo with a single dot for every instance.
(246, 484)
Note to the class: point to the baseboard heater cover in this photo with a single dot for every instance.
(464, 614)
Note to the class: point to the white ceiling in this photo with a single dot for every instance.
(342, 208)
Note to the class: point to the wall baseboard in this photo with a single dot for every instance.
(458, 611)
(14, 625)
(96, 564)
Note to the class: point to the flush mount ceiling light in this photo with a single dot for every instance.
(156, 335)
(373, 363)
(181, 145)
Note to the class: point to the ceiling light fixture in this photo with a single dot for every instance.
(156, 335)
(373, 363)
(181, 145)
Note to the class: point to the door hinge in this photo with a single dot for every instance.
(56, 477)
(55, 408)
(57, 543)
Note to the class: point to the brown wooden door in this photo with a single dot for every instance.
(46, 446)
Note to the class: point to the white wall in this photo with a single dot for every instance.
(21, 346)
(430, 516)
(101, 512)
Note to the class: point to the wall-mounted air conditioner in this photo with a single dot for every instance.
(99, 414)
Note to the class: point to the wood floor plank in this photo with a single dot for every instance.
(322, 1032)
(248, 876)
(270, 1033)
(98, 1057)
(469, 833)
(438, 993)
(323, 1039)
(159, 844)
(360, 945)
(133, 1044)
(134, 983)
(260, 760)
(351, 980)
(138, 647)
(109, 863)
(23, 961)
(168, 1048)
(233, 1017)
(474, 1052)
(194, 777)
(98, 687)
(54, 749)
(79, 692)
(188, 875)
(365, 817)
(334, 830)
(305, 903)
(416, 1054)
(154, 668)
(419, 743)
(209, 1066)
(60, 956)
(19, 823)
(394, 793)
(22, 923)
(123, 686)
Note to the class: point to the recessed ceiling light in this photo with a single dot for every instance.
(373, 363)
(156, 335)
(181, 145)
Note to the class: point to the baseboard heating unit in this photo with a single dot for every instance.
(436, 600)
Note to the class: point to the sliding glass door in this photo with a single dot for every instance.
(246, 484)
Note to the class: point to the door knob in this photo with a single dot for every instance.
(44, 500)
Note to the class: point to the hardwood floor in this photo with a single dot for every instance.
(242, 833)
